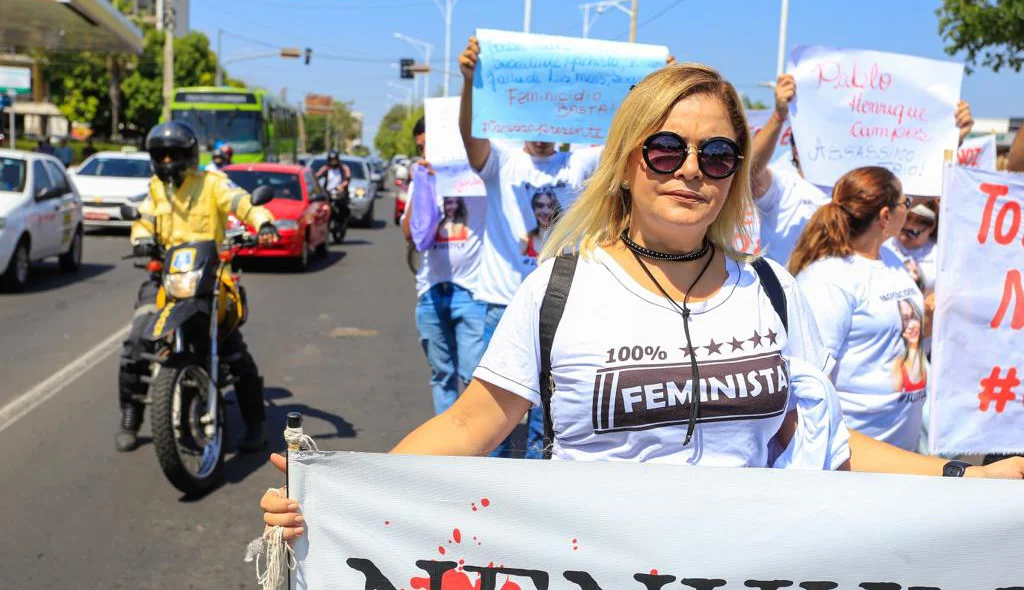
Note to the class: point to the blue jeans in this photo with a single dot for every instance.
(535, 422)
(451, 327)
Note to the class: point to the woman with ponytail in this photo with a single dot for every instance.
(860, 293)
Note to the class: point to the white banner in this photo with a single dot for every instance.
(388, 522)
(977, 403)
(978, 152)
(867, 108)
(446, 152)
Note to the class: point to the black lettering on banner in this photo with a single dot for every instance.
(489, 576)
(703, 583)
(766, 585)
(654, 581)
(819, 585)
(641, 397)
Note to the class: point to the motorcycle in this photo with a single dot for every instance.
(340, 214)
(199, 304)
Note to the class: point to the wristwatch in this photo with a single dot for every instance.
(955, 469)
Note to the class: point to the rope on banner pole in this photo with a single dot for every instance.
(271, 546)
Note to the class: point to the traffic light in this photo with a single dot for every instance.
(309, 55)
(406, 68)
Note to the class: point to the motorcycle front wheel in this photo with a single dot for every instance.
(338, 230)
(192, 461)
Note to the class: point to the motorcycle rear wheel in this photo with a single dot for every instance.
(192, 463)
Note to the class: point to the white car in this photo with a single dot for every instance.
(107, 180)
(40, 216)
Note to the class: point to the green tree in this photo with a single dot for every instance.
(990, 31)
(394, 136)
(753, 105)
(361, 150)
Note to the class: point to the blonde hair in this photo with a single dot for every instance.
(601, 212)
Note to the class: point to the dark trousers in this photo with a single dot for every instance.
(248, 387)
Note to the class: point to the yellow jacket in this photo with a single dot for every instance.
(196, 211)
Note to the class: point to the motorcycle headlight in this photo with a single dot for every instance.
(288, 224)
(182, 285)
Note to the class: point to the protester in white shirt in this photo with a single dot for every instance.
(690, 210)
(916, 243)
(449, 318)
(868, 309)
(525, 190)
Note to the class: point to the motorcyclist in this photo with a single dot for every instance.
(337, 173)
(186, 204)
(222, 156)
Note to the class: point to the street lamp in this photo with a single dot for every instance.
(424, 48)
(783, 28)
(599, 8)
(287, 52)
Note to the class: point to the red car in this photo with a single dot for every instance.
(300, 210)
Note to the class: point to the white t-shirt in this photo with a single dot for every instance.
(455, 255)
(621, 369)
(522, 192)
(925, 258)
(211, 167)
(335, 176)
(785, 209)
(870, 315)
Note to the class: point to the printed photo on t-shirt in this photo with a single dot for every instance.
(545, 203)
(910, 370)
(454, 227)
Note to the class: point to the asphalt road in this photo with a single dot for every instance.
(77, 514)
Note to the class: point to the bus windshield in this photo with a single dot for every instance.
(240, 129)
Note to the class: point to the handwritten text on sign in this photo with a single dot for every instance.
(547, 88)
(977, 402)
(385, 522)
(978, 152)
(867, 108)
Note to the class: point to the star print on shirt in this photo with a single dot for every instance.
(771, 336)
(687, 352)
(736, 344)
(714, 348)
(756, 339)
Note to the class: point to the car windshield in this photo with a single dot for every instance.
(12, 175)
(239, 129)
(119, 167)
(358, 171)
(285, 184)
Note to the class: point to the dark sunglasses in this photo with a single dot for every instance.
(717, 157)
(914, 233)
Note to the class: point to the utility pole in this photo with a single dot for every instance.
(632, 22)
(528, 15)
(446, 12)
(168, 20)
(780, 66)
(220, 56)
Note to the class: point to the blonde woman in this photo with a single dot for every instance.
(656, 290)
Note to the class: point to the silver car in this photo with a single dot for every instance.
(362, 190)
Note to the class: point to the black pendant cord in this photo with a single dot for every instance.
(685, 310)
(655, 255)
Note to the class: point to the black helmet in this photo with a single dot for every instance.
(333, 155)
(177, 140)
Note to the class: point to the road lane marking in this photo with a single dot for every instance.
(20, 406)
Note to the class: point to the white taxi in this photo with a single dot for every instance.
(107, 180)
(40, 216)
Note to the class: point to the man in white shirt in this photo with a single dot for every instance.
(525, 190)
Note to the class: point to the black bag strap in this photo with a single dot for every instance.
(551, 309)
(773, 288)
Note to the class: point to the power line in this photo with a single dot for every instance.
(653, 18)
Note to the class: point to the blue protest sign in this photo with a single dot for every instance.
(547, 88)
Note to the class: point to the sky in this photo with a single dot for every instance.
(354, 45)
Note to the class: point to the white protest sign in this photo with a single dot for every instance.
(446, 152)
(548, 88)
(757, 119)
(978, 340)
(387, 522)
(978, 152)
(867, 108)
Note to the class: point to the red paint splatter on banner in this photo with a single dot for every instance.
(574, 545)
(485, 502)
(387, 523)
(473, 505)
(451, 580)
(457, 535)
(440, 549)
(510, 585)
(654, 572)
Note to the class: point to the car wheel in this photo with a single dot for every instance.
(302, 261)
(71, 260)
(16, 276)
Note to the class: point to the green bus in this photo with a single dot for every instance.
(258, 126)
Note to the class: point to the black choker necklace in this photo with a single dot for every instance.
(655, 255)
